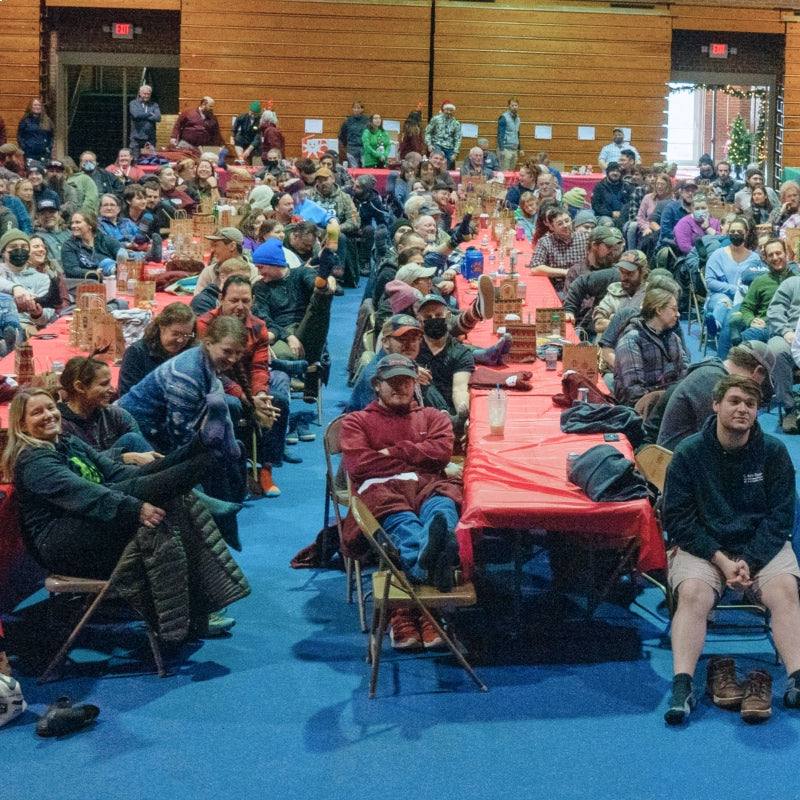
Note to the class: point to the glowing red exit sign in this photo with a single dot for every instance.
(718, 50)
(122, 30)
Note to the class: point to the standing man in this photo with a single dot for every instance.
(508, 145)
(350, 141)
(729, 506)
(244, 133)
(444, 132)
(725, 187)
(197, 127)
(144, 116)
(611, 152)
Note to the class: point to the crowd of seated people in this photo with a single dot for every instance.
(205, 378)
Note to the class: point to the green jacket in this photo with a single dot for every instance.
(760, 294)
(371, 141)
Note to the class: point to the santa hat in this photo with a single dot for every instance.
(448, 104)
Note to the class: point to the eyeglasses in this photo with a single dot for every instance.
(181, 337)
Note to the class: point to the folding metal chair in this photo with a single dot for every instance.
(95, 592)
(337, 493)
(392, 590)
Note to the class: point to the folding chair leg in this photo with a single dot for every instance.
(153, 639)
(348, 573)
(362, 614)
(67, 646)
(376, 644)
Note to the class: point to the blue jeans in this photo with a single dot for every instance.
(409, 532)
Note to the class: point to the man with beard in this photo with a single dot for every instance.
(604, 250)
(753, 178)
(372, 215)
(50, 226)
(725, 187)
(610, 196)
(612, 151)
(395, 453)
(161, 211)
(705, 169)
(628, 292)
(197, 127)
(328, 195)
(54, 177)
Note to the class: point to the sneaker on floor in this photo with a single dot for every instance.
(215, 625)
(267, 484)
(431, 640)
(404, 632)
(789, 424)
(292, 436)
(304, 432)
(681, 702)
(723, 685)
(757, 700)
(290, 457)
(484, 305)
(791, 698)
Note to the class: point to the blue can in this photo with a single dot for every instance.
(472, 264)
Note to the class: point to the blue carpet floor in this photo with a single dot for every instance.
(280, 708)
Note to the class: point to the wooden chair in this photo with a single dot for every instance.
(337, 493)
(652, 461)
(393, 590)
(94, 593)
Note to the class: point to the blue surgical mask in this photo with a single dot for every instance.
(89, 166)
(698, 215)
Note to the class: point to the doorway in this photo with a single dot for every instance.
(94, 91)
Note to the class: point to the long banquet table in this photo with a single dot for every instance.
(518, 481)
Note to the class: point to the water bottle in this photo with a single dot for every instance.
(555, 324)
(493, 261)
(122, 272)
(512, 261)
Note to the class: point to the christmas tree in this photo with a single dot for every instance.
(740, 141)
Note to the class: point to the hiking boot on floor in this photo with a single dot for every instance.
(757, 700)
(722, 683)
(789, 424)
(404, 632)
(682, 700)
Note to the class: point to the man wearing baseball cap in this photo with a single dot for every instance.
(41, 191)
(224, 243)
(605, 247)
(395, 452)
(675, 211)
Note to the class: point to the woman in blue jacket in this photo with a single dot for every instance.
(35, 132)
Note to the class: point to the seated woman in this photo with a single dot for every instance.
(170, 402)
(186, 170)
(89, 415)
(170, 333)
(649, 214)
(787, 215)
(760, 210)
(729, 271)
(146, 237)
(694, 226)
(89, 249)
(113, 224)
(80, 512)
(205, 185)
(41, 261)
(527, 214)
(174, 195)
(649, 355)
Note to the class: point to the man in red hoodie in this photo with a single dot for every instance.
(395, 453)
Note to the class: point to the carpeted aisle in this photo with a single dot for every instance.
(280, 709)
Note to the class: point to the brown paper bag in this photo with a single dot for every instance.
(581, 357)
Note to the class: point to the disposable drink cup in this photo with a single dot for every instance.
(498, 400)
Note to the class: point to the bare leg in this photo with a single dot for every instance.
(695, 599)
(780, 596)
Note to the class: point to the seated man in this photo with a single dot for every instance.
(208, 299)
(296, 305)
(402, 334)
(449, 362)
(729, 505)
(474, 166)
(395, 453)
(629, 291)
(560, 249)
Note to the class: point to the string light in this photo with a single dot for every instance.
(760, 136)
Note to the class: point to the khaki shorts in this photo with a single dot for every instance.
(682, 565)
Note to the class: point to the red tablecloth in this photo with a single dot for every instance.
(519, 481)
(19, 573)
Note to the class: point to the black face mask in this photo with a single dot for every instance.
(435, 327)
(18, 257)
(737, 239)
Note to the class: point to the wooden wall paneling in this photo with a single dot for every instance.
(726, 18)
(791, 97)
(568, 68)
(19, 76)
(312, 58)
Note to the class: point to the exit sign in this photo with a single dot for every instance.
(122, 30)
(717, 50)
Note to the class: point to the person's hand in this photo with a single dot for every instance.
(758, 323)
(25, 300)
(212, 182)
(140, 459)
(446, 288)
(150, 515)
(296, 346)
(449, 275)
(741, 580)
(615, 214)
(788, 337)
(654, 226)
(271, 337)
(569, 317)
(521, 154)
(424, 376)
(266, 413)
(173, 142)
